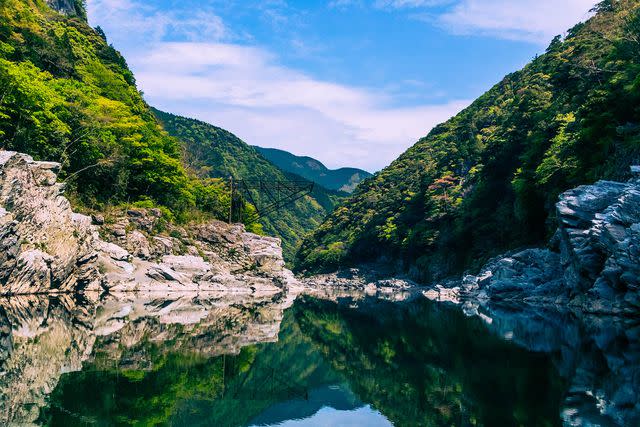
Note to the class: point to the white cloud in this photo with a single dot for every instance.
(244, 90)
(400, 4)
(127, 19)
(209, 76)
(536, 21)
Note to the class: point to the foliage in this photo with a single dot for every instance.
(68, 96)
(487, 180)
(211, 152)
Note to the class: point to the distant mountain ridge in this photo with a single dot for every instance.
(343, 179)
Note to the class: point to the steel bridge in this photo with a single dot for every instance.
(274, 195)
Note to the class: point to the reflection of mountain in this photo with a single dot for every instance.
(229, 361)
(421, 363)
(306, 405)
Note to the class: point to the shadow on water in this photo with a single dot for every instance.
(190, 361)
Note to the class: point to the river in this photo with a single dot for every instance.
(353, 360)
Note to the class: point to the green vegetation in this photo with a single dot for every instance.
(487, 180)
(343, 179)
(214, 153)
(68, 96)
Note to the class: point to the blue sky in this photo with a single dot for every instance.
(349, 82)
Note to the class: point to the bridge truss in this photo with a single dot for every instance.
(275, 195)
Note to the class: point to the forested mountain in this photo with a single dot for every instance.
(486, 180)
(211, 152)
(66, 95)
(343, 179)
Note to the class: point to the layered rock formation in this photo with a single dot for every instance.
(593, 262)
(204, 257)
(44, 246)
(47, 248)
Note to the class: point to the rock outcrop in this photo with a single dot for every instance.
(47, 248)
(44, 245)
(593, 262)
(67, 7)
(204, 257)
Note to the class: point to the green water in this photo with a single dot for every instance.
(405, 365)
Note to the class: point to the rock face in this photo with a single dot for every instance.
(599, 238)
(66, 7)
(46, 248)
(594, 262)
(206, 257)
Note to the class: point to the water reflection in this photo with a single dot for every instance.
(349, 360)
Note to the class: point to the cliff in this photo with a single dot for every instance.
(592, 263)
(47, 248)
(69, 7)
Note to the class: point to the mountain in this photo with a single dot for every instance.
(343, 179)
(487, 180)
(212, 152)
(66, 95)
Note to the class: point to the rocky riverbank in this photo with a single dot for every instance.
(47, 248)
(592, 263)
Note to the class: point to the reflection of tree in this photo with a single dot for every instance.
(173, 381)
(431, 366)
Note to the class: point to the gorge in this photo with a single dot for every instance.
(489, 276)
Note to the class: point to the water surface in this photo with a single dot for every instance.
(353, 361)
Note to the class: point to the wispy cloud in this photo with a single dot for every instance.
(244, 90)
(207, 74)
(148, 24)
(400, 4)
(535, 21)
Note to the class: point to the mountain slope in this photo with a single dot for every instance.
(212, 152)
(486, 180)
(343, 179)
(66, 95)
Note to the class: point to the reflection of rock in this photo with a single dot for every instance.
(46, 337)
(43, 337)
(599, 356)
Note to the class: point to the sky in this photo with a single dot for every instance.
(348, 82)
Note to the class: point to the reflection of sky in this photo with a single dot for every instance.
(329, 417)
